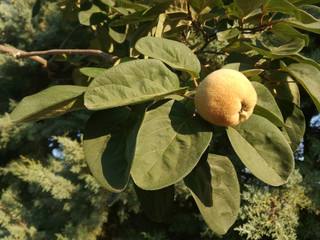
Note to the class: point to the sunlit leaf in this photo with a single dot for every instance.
(288, 33)
(284, 6)
(246, 6)
(311, 27)
(175, 54)
(92, 71)
(263, 149)
(131, 83)
(267, 105)
(302, 59)
(91, 14)
(308, 76)
(228, 34)
(284, 87)
(292, 47)
(51, 102)
(247, 69)
(170, 143)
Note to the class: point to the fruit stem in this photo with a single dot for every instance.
(194, 80)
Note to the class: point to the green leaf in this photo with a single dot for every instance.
(204, 6)
(160, 25)
(92, 71)
(303, 2)
(51, 102)
(263, 149)
(170, 144)
(118, 34)
(214, 186)
(175, 54)
(91, 14)
(246, 7)
(131, 83)
(303, 59)
(311, 27)
(288, 33)
(110, 3)
(292, 47)
(144, 15)
(237, 46)
(295, 123)
(157, 204)
(308, 76)
(228, 34)
(284, 6)
(284, 87)
(247, 69)
(109, 145)
(267, 106)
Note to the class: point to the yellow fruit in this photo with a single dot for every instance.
(225, 98)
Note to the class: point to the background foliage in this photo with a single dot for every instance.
(47, 189)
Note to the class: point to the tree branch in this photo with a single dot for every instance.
(34, 55)
(13, 52)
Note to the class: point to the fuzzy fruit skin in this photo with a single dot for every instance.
(225, 98)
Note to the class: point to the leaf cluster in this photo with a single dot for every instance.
(143, 124)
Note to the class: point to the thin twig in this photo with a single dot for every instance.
(100, 53)
(13, 51)
(194, 79)
(218, 53)
(207, 42)
(258, 29)
(34, 55)
(272, 16)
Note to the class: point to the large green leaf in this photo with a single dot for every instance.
(246, 7)
(109, 145)
(311, 27)
(214, 186)
(147, 14)
(118, 34)
(247, 69)
(51, 102)
(173, 53)
(170, 143)
(267, 105)
(204, 6)
(91, 14)
(284, 87)
(157, 204)
(302, 59)
(92, 71)
(303, 2)
(130, 83)
(237, 46)
(263, 149)
(308, 76)
(228, 34)
(284, 6)
(288, 33)
(135, 17)
(292, 47)
(295, 122)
